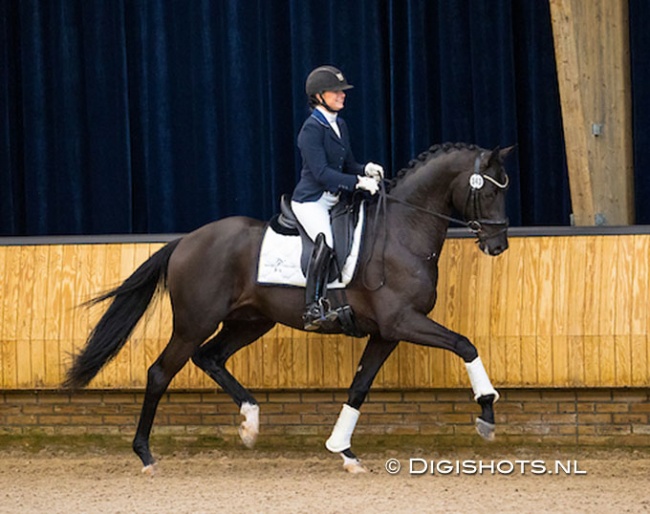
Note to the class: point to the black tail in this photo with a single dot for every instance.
(130, 301)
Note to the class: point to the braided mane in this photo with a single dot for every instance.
(433, 152)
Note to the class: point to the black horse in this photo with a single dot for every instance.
(211, 278)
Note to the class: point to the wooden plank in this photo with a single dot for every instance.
(561, 269)
(531, 288)
(515, 280)
(528, 360)
(513, 362)
(592, 55)
(576, 352)
(38, 316)
(405, 365)
(12, 291)
(640, 286)
(544, 359)
(271, 364)
(483, 306)
(593, 270)
(24, 348)
(560, 356)
(623, 360)
(640, 369)
(577, 295)
(285, 357)
(499, 296)
(607, 282)
(623, 295)
(591, 345)
(66, 302)
(54, 371)
(567, 57)
(545, 268)
(607, 361)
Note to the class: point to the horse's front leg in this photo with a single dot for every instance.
(375, 354)
(419, 329)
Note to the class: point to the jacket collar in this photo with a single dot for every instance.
(319, 116)
(325, 118)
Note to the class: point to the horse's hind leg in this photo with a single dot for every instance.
(375, 354)
(212, 357)
(160, 374)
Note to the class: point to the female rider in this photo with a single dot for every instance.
(328, 168)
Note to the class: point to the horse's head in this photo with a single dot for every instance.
(479, 194)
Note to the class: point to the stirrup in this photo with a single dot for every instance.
(318, 313)
(326, 310)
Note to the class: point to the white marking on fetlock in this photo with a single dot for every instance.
(149, 470)
(353, 466)
(342, 432)
(249, 429)
(479, 379)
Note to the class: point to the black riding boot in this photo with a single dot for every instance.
(318, 307)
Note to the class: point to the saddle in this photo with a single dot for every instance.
(344, 217)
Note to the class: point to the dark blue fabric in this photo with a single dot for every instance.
(328, 163)
(640, 57)
(135, 116)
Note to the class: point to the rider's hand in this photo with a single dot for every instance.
(367, 184)
(374, 171)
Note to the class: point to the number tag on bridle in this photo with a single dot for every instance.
(476, 181)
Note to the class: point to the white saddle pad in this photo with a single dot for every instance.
(279, 262)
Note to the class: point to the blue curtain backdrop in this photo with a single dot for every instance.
(129, 116)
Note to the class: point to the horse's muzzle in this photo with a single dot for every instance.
(492, 236)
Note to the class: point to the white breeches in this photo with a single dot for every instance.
(315, 216)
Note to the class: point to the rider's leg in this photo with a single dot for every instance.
(318, 308)
(315, 220)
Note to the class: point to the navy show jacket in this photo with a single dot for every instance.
(327, 160)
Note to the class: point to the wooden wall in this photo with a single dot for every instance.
(550, 312)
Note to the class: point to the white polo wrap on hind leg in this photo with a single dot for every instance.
(479, 379)
(342, 432)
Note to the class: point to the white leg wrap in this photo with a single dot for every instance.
(479, 379)
(342, 432)
(250, 427)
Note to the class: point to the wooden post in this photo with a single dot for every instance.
(592, 53)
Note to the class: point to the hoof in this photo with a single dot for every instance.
(485, 429)
(353, 465)
(149, 470)
(355, 468)
(248, 434)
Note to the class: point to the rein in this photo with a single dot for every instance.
(474, 225)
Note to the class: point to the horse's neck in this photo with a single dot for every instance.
(425, 199)
(429, 186)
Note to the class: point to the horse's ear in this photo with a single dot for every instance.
(494, 157)
(505, 152)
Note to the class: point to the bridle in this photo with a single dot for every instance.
(475, 224)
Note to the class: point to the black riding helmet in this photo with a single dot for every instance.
(324, 78)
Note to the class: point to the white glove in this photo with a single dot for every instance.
(367, 184)
(374, 170)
